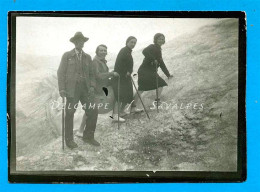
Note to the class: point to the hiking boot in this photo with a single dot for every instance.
(115, 119)
(136, 110)
(79, 134)
(92, 142)
(122, 114)
(159, 102)
(71, 144)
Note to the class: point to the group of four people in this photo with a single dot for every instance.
(80, 79)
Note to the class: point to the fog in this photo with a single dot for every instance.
(50, 35)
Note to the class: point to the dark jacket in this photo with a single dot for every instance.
(67, 76)
(124, 62)
(153, 52)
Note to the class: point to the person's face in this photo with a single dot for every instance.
(79, 44)
(102, 52)
(131, 44)
(161, 40)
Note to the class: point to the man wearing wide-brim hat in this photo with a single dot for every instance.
(76, 82)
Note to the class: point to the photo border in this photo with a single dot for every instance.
(126, 176)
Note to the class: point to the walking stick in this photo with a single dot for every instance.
(139, 97)
(118, 103)
(157, 99)
(63, 121)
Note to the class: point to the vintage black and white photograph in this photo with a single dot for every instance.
(126, 94)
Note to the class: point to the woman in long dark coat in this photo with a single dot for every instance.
(124, 67)
(147, 72)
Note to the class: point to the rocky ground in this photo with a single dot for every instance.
(181, 141)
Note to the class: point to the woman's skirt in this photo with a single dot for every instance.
(125, 88)
(147, 80)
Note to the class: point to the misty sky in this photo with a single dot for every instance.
(50, 35)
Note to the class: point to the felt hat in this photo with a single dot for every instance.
(78, 35)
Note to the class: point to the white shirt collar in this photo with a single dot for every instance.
(77, 52)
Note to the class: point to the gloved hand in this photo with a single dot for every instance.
(63, 93)
(128, 74)
(115, 74)
(156, 62)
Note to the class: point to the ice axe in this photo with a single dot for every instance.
(156, 76)
(139, 97)
(63, 120)
(118, 101)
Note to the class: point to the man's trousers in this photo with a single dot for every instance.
(81, 94)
